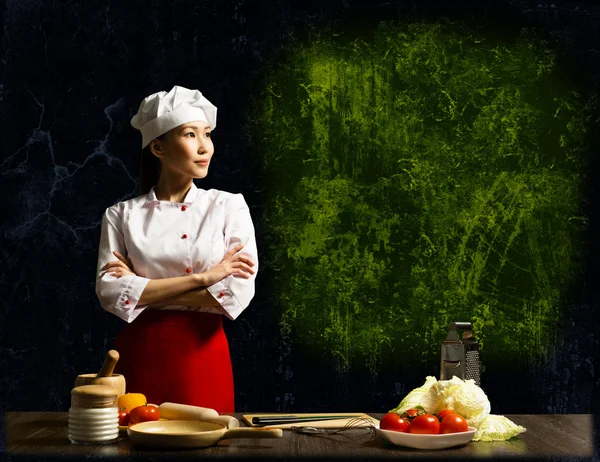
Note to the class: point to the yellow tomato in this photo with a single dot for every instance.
(130, 401)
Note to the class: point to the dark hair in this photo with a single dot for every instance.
(149, 169)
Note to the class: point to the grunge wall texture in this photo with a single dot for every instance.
(407, 164)
(430, 173)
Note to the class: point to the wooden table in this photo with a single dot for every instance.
(548, 436)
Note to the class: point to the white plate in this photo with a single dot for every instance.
(416, 441)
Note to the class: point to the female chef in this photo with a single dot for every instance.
(172, 261)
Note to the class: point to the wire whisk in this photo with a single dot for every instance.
(353, 424)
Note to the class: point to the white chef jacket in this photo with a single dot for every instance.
(167, 239)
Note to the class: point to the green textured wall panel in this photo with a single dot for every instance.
(428, 175)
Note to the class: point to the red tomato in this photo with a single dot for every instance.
(412, 413)
(425, 424)
(392, 421)
(453, 423)
(143, 414)
(123, 418)
(442, 414)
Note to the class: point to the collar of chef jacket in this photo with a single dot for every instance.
(189, 198)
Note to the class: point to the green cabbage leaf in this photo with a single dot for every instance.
(413, 399)
(497, 428)
(462, 396)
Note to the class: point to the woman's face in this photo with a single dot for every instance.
(187, 149)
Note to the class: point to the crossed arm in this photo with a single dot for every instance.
(185, 290)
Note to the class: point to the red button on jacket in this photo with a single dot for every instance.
(188, 270)
(221, 294)
(184, 236)
(183, 208)
(127, 302)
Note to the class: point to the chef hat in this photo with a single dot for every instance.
(162, 111)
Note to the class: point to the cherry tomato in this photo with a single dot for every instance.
(123, 418)
(411, 413)
(392, 421)
(425, 424)
(443, 413)
(453, 423)
(143, 414)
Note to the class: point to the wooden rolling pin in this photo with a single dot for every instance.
(174, 411)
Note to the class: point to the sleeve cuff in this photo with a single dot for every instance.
(127, 307)
(229, 304)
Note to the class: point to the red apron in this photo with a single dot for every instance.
(177, 356)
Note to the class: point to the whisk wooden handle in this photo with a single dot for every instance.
(110, 361)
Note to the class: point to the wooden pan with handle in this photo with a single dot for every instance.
(171, 434)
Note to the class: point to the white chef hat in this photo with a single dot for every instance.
(162, 111)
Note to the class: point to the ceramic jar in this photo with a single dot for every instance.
(93, 415)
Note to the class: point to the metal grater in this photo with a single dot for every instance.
(453, 356)
(472, 364)
(460, 357)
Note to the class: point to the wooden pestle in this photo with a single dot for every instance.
(110, 361)
(105, 376)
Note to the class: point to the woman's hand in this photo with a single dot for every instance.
(120, 267)
(238, 265)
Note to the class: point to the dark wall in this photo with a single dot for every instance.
(73, 73)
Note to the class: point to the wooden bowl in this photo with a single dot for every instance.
(116, 381)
